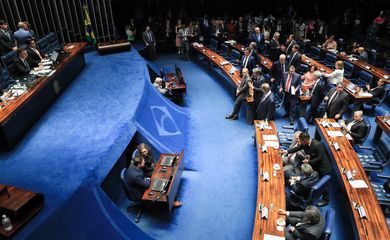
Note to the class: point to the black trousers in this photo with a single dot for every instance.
(290, 104)
(152, 51)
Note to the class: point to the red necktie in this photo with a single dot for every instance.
(288, 83)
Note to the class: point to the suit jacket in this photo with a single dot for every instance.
(294, 59)
(318, 158)
(337, 106)
(303, 186)
(295, 82)
(21, 36)
(304, 231)
(358, 131)
(277, 72)
(250, 65)
(259, 40)
(19, 69)
(317, 94)
(147, 40)
(289, 46)
(274, 51)
(266, 108)
(378, 92)
(33, 59)
(7, 42)
(243, 88)
(137, 183)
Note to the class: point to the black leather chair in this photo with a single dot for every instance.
(374, 159)
(53, 41)
(43, 45)
(126, 188)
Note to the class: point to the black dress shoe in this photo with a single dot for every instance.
(323, 203)
(234, 117)
(228, 117)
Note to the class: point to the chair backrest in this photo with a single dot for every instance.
(372, 55)
(318, 188)
(126, 187)
(383, 150)
(235, 54)
(329, 222)
(348, 68)
(365, 77)
(4, 78)
(303, 68)
(315, 51)
(224, 49)
(8, 59)
(135, 153)
(53, 40)
(302, 125)
(368, 124)
(387, 65)
(43, 45)
(383, 97)
(330, 59)
(213, 44)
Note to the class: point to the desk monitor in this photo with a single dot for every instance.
(167, 161)
(54, 56)
(159, 184)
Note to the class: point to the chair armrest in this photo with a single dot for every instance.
(383, 176)
(367, 148)
(375, 163)
(288, 127)
(387, 195)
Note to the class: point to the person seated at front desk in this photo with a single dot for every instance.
(355, 127)
(21, 68)
(35, 56)
(158, 84)
(377, 92)
(136, 180)
(361, 54)
(301, 186)
(145, 155)
(307, 225)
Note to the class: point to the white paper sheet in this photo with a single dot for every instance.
(272, 237)
(270, 138)
(273, 144)
(358, 184)
(334, 133)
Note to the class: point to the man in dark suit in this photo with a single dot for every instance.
(258, 38)
(277, 71)
(317, 96)
(137, 181)
(290, 86)
(274, 47)
(307, 225)
(301, 186)
(290, 43)
(241, 93)
(248, 61)
(317, 158)
(21, 68)
(150, 42)
(356, 127)
(336, 102)
(7, 40)
(377, 92)
(34, 55)
(22, 34)
(266, 104)
(294, 59)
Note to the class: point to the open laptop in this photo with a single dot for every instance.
(55, 56)
(159, 184)
(167, 161)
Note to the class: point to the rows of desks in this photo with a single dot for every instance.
(345, 159)
(270, 194)
(18, 115)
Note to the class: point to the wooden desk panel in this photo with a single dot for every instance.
(375, 226)
(20, 206)
(271, 191)
(381, 126)
(173, 174)
(18, 115)
(217, 59)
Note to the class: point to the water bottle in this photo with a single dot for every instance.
(266, 122)
(325, 116)
(6, 222)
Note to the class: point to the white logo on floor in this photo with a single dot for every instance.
(166, 125)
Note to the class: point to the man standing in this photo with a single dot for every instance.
(184, 36)
(258, 38)
(294, 59)
(266, 107)
(22, 34)
(290, 86)
(241, 93)
(317, 158)
(150, 42)
(337, 101)
(278, 69)
(248, 61)
(317, 95)
(274, 47)
(7, 40)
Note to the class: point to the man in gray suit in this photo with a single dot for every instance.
(150, 42)
(241, 93)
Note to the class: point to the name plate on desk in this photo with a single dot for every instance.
(348, 174)
(336, 146)
(264, 213)
(232, 70)
(265, 176)
(264, 148)
(362, 212)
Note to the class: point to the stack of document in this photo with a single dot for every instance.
(334, 134)
(224, 63)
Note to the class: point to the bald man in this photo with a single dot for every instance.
(356, 127)
(266, 107)
(22, 35)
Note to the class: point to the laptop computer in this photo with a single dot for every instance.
(159, 184)
(167, 161)
(54, 56)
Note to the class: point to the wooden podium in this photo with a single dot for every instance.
(20, 206)
(113, 46)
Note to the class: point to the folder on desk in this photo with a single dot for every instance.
(45, 63)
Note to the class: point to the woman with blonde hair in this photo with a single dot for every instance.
(337, 75)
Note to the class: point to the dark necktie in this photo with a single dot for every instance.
(26, 64)
(150, 37)
(333, 98)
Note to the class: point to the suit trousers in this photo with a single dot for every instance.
(185, 48)
(152, 51)
(290, 104)
(237, 104)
